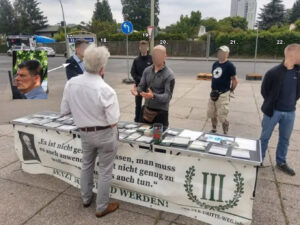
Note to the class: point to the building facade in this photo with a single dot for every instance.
(246, 9)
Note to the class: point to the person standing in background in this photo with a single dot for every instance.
(224, 81)
(139, 64)
(281, 90)
(76, 66)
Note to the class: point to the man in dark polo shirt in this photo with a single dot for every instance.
(281, 90)
(224, 81)
(139, 64)
(156, 87)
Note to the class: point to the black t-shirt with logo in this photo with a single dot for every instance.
(221, 76)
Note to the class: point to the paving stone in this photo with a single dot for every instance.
(19, 202)
(6, 129)
(7, 151)
(75, 192)
(293, 161)
(14, 172)
(66, 210)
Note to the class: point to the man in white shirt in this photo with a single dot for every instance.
(95, 110)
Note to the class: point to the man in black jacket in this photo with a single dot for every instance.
(281, 90)
(76, 66)
(139, 65)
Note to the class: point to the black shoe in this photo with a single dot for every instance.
(213, 131)
(286, 169)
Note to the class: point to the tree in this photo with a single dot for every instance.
(138, 12)
(234, 22)
(295, 12)
(272, 14)
(6, 17)
(103, 29)
(297, 24)
(186, 25)
(210, 24)
(29, 17)
(102, 11)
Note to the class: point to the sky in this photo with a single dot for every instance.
(170, 10)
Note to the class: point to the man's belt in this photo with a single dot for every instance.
(92, 129)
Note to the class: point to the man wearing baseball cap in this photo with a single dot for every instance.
(224, 81)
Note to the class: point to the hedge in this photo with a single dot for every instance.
(243, 44)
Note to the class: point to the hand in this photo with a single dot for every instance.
(148, 95)
(134, 91)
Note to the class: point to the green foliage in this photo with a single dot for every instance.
(272, 14)
(230, 23)
(137, 36)
(295, 12)
(270, 44)
(188, 25)
(29, 17)
(40, 56)
(297, 24)
(138, 12)
(210, 24)
(6, 17)
(102, 11)
(60, 35)
(3, 48)
(103, 29)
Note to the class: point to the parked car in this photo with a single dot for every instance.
(17, 48)
(50, 51)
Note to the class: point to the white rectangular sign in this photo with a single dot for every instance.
(211, 190)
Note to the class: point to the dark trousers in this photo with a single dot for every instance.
(162, 117)
(138, 109)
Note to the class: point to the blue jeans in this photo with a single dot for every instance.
(286, 125)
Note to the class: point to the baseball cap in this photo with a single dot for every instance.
(224, 48)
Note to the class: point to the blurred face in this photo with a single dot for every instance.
(144, 49)
(25, 82)
(80, 50)
(159, 56)
(293, 56)
(222, 56)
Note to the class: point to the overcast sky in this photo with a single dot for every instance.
(170, 10)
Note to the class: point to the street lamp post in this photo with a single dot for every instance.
(152, 24)
(256, 46)
(65, 25)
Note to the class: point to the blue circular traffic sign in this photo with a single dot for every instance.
(127, 27)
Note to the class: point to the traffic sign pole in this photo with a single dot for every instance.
(127, 29)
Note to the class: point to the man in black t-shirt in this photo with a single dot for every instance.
(224, 81)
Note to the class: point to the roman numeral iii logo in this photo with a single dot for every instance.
(213, 178)
(210, 183)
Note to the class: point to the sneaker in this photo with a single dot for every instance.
(286, 169)
(213, 131)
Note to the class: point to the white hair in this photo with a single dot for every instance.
(95, 58)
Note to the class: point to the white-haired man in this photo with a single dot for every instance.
(95, 109)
